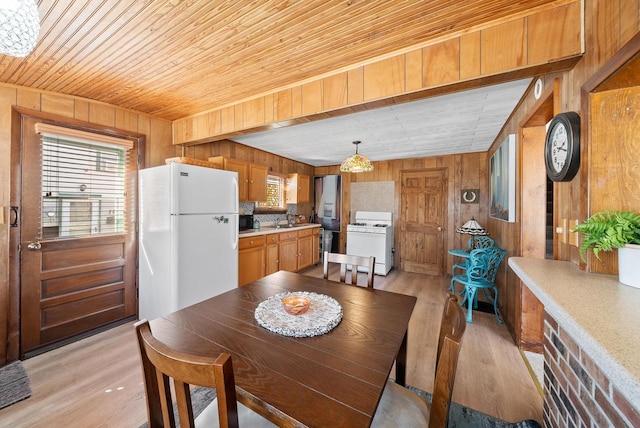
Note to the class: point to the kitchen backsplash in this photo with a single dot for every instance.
(247, 208)
(372, 196)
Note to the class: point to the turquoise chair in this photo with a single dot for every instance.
(481, 241)
(480, 274)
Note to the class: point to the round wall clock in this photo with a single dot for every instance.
(562, 147)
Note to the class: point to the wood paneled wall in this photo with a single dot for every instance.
(466, 171)
(158, 147)
(608, 26)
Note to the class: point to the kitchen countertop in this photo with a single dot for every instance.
(265, 230)
(598, 311)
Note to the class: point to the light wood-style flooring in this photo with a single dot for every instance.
(97, 382)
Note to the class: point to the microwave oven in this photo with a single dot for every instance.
(245, 222)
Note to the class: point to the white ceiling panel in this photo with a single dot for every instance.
(461, 122)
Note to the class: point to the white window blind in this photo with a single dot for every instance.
(83, 185)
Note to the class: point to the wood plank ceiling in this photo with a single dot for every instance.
(175, 58)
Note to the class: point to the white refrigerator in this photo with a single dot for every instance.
(188, 236)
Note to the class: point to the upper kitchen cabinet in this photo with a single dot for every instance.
(298, 188)
(252, 178)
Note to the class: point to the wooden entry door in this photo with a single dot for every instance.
(424, 201)
(70, 285)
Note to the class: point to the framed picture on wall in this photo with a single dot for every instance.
(502, 181)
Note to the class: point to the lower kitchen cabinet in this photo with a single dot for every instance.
(307, 250)
(251, 259)
(288, 251)
(272, 253)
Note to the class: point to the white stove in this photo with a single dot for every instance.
(371, 234)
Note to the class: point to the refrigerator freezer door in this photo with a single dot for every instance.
(200, 190)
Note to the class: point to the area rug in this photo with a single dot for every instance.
(463, 417)
(14, 384)
(200, 399)
(459, 416)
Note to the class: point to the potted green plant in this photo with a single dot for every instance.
(608, 230)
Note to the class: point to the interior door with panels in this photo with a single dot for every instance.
(423, 215)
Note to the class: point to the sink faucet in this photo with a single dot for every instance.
(276, 222)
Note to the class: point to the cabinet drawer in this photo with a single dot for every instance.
(288, 235)
(253, 241)
(305, 232)
(272, 238)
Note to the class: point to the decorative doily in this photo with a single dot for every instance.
(323, 315)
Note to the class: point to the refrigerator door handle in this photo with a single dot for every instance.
(235, 244)
(237, 189)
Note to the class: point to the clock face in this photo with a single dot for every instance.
(562, 147)
(559, 146)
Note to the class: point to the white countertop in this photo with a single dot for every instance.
(599, 312)
(265, 230)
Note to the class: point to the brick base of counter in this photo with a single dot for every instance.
(576, 392)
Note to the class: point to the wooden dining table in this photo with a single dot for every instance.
(334, 379)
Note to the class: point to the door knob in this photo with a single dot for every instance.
(440, 228)
(34, 245)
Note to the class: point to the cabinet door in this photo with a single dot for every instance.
(257, 182)
(304, 183)
(305, 252)
(250, 264)
(242, 168)
(273, 262)
(288, 255)
(316, 246)
(272, 253)
(298, 188)
(251, 259)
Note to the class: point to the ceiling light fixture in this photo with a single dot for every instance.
(356, 163)
(19, 27)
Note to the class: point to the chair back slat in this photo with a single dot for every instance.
(160, 363)
(355, 261)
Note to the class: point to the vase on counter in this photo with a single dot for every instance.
(629, 265)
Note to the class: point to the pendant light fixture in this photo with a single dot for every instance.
(19, 27)
(356, 163)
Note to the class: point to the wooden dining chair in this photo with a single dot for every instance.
(344, 260)
(160, 363)
(400, 407)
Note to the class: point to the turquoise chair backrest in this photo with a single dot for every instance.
(484, 263)
(481, 241)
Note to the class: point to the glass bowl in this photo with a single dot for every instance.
(296, 305)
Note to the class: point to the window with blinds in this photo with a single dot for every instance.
(83, 187)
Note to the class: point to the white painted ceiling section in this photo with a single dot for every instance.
(462, 122)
